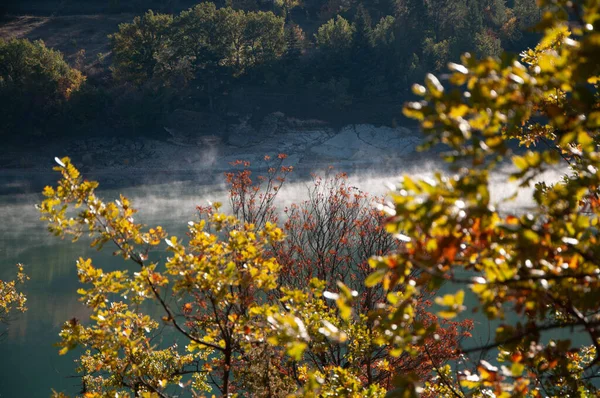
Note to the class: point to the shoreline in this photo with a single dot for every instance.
(312, 147)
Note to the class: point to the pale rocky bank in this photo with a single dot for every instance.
(192, 151)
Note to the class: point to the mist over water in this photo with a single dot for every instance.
(178, 200)
(175, 202)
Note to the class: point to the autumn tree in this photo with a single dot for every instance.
(535, 272)
(218, 281)
(329, 238)
(11, 298)
(246, 323)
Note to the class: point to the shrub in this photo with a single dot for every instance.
(35, 82)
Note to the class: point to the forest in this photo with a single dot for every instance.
(326, 59)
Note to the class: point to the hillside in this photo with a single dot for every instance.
(70, 34)
(340, 61)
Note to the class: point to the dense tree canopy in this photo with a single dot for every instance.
(326, 54)
(137, 47)
(204, 42)
(356, 54)
(34, 81)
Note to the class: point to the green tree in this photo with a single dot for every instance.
(227, 38)
(383, 33)
(295, 43)
(495, 12)
(287, 5)
(35, 82)
(446, 17)
(487, 44)
(246, 5)
(264, 39)
(335, 37)
(472, 24)
(334, 43)
(197, 37)
(409, 16)
(222, 43)
(362, 56)
(437, 53)
(527, 12)
(387, 58)
(138, 45)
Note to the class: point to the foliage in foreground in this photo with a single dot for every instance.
(250, 308)
(535, 272)
(11, 299)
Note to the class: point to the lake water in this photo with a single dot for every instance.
(30, 365)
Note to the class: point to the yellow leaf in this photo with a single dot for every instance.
(458, 111)
(296, 349)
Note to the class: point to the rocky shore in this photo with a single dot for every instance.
(195, 151)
